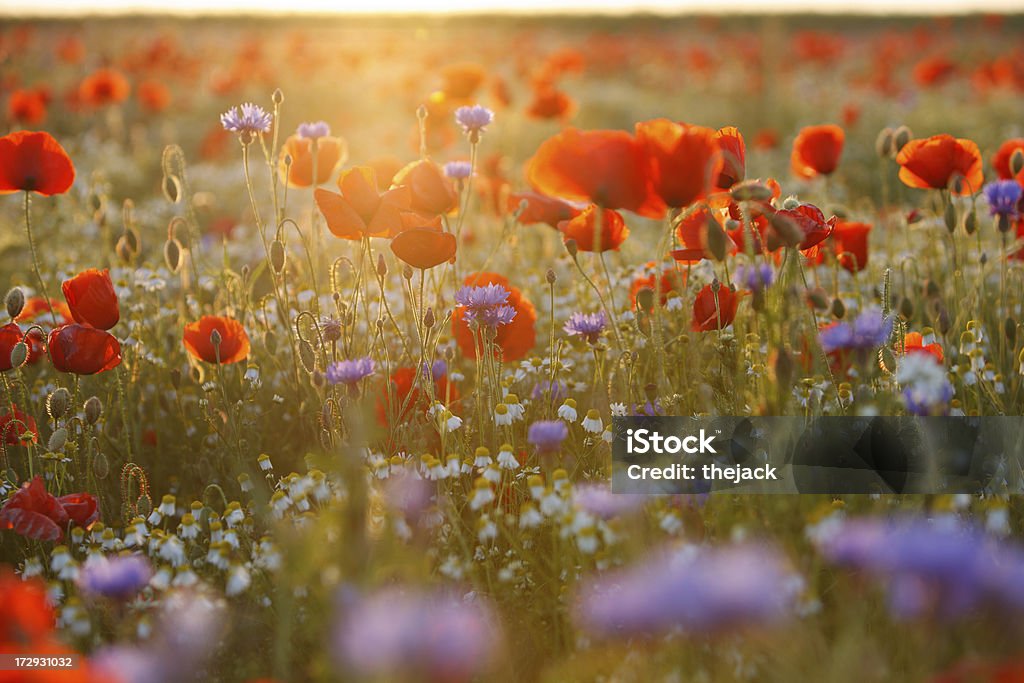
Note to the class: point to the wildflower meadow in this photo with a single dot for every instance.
(316, 330)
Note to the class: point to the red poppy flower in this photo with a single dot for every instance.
(234, 342)
(816, 150)
(28, 615)
(17, 427)
(34, 513)
(582, 228)
(913, 342)
(932, 163)
(933, 71)
(404, 398)
(103, 87)
(431, 193)
(851, 245)
(424, 247)
(671, 281)
(27, 106)
(734, 157)
(692, 232)
(604, 167)
(153, 96)
(331, 152)
(34, 162)
(550, 103)
(83, 350)
(82, 508)
(707, 315)
(360, 210)
(802, 227)
(540, 208)
(462, 80)
(1001, 159)
(10, 335)
(37, 312)
(515, 339)
(91, 298)
(685, 160)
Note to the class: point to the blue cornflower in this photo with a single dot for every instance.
(755, 277)
(586, 325)
(115, 577)
(458, 170)
(349, 372)
(547, 435)
(1003, 198)
(474, 120)
(252, 120)
(867, 332)
(313, 130)
(486, 305)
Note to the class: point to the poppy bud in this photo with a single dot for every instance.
(287, 160)
(93, 409)
(818, 298)
(172, 188)
(716, 239)
(716, 286)
(971, 222)
(57, 439)
(428, 318)
(124, 249)
(19, 354)
(949, 216)
(884, 143)
(906, 308)
(931, 289)
(984, 258)
(1010, 330)
(900, 137)
(838, 308)
(307, 356)
(216, 338)
(318, 379)
(15, 301)
(751, 191)
(944, 323)
(645, 299)
(270, 342)
(382, 266)
(277, 97)
(172, 254)
(571, 247)
(550, 276)
(790, 203)
(421, 112)
(783, 368)
(57, 403)
(407, 272)
(886, 359)
(277, 256)
(1017, 161)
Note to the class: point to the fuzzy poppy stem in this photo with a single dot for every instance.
(35, 257)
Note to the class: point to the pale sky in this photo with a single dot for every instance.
(79, 7)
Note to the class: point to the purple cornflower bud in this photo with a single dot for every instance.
(1003, 196)
(348, 372)
(119, 577)
(586, 325)
(698, 590)
(252, 119)
(313, 130)
(458, 170)
(475, 119)
(547, 435)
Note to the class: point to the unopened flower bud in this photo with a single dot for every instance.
(900, 137)
(884, 142)
(277, 256)
(407, 272)
(428, 318)
(818, 298)
(57, 440)
(307, 355)
(790, 203)
(550, 276)
(58, 402)
(270, 342)
(716, 239)
(716, 286)
(838, 308)
(571, 247)
(19, 354)
(15, 301)
(971, 222)
(382, 266)
(949, 217)
(93, 410)
(277, 97)
(645, 299)
(215, 339)
(172, 254)
(751, 190)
